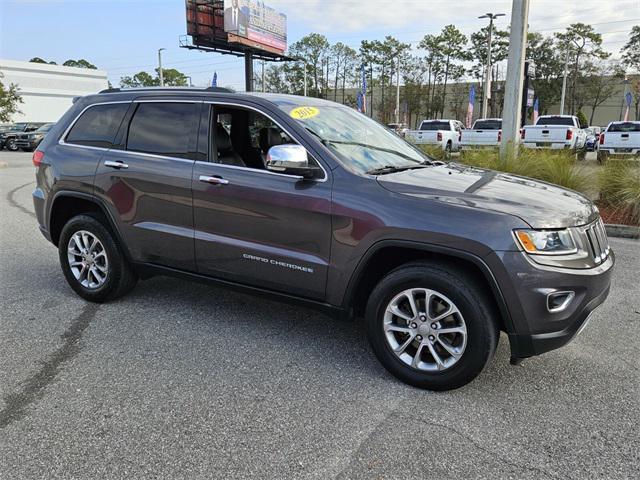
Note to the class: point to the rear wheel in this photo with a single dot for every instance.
(430, 326)
(602, 157)
(92, 261)
(581, 155)
(447, 151)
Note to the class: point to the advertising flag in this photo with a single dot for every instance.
(214, 82)
(363, 91)
(472, 100)
(536, 110)
(628, 99)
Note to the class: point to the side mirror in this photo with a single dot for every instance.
(290, 159)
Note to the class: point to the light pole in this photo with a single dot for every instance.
(486, 91)
(160, 66)
(398, 92)
(564, 81)
(190, 84)
(515, 73)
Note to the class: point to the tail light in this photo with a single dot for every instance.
(569, 134)
(439, 136)
(37, 158)
(522, 133)
(602, 139)
(499, 136)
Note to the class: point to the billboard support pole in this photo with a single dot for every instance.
(248, 71)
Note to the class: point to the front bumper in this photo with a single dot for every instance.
(534, 329)
(27, 144)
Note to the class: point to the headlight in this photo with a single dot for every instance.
(549, 242)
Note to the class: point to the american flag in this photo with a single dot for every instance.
(214, 82)
(536, 111)
(472, 100)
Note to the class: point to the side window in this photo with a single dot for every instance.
(167, 129)
(242, 137)
(98, 125)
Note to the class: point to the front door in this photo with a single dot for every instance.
(253, 226)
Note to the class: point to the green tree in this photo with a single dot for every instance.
(478, 49)
(434, 65)
(82, 63)
(40, 60)
(171, 77)
(311, 50)
(549, 70)
(600, 82)
(9, 100)
(631, 50)
(454, 44)
(582, 118)
(583, 44)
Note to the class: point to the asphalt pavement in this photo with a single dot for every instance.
(182, 380)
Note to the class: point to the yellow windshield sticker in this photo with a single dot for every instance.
(302, 113)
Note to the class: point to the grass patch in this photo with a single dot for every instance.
(619, 184)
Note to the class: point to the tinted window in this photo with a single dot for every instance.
(164, 129)
(98, 125)
(435, 126)
(568, 121)
(625, 127)
(487, 125)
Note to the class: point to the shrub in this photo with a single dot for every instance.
(620, 188)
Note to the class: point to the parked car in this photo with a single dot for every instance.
(8, 138)
(343, 216)
(442, 133)
(620, 139)
(485, 133)
(556, 132)
(28, 142)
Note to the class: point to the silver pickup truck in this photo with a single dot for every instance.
(556, 132)
(620, 139)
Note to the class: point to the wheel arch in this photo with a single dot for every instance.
(68, 204)
(386, 255)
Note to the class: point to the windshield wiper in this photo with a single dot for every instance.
(392, 169)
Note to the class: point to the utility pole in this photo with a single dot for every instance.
(398, 92)
(160, 66)
(263, 89)
(190, 84)
(486, 91)
(512, 112)
(305, 79)
(564, 81)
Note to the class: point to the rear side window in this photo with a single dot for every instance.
(435, 126)
(167, 129)
(98, 125)
(568, 121)
(488, 125)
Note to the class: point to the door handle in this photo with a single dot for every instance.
(214, 180)
(111, 163)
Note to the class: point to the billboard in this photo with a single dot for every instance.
(256, 22)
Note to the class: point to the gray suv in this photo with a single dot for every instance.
(312, 202)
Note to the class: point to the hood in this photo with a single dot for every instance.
(540, 204)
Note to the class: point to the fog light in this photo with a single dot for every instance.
(559, 301)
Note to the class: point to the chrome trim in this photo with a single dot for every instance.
(213, 180)
(111, 163)
(563, 306)
(547, 254)
(249, 169)
(154, 155)
(319, 180)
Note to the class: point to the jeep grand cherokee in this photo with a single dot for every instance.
(310, 201)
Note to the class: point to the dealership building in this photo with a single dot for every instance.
(47, 91)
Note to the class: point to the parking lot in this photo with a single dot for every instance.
(182, 380)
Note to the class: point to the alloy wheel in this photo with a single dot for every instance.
(87, 259)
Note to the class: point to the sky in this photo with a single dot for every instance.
(123, 36)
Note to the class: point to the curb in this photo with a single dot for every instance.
(622, 231)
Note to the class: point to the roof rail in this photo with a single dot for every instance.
(143, 89)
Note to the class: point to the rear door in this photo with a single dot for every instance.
(256, 227)
(145, 181)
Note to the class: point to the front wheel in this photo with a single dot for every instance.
(92, 261)
(11, 146)
(430, 326)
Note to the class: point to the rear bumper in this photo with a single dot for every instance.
(548, 146)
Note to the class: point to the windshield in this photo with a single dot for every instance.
(19, 127)
(360, 143)
(45, 128)
(487, 125)
(625, 127)
(568, 121)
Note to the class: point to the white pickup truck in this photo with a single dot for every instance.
(443, 133)
(556, 132)
(620, 139)
(485, 133)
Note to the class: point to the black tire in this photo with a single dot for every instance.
(11, 146)
(581, 155)
(602, 157)
(120, 278)
(461, 288)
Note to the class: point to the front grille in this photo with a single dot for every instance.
(598, 242)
